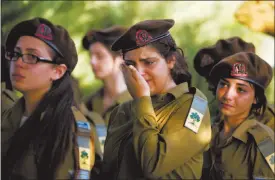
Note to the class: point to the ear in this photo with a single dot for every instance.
(255, 101)
(171, 62)
(59, 71)
(117, 61)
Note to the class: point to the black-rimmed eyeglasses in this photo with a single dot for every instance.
(27, 58)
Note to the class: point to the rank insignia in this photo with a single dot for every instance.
(239, 69)
(142, 37)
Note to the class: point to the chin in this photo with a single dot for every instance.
(99, 76)
(19, 88)
(226, 112)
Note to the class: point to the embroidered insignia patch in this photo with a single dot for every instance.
(193, 121)
(239, 69)
(43, 31)
(142, 37)
(84, 158)
(271, 161)
(196, 114)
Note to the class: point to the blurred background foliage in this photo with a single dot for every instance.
(197, 24)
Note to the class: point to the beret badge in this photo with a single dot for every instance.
(142, 37)
(239, 69)
(43, 31)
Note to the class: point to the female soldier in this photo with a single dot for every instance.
(165, 135)
(43, 135)
(241, 147)
(105, 65)
(207, 57)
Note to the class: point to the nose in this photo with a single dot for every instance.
(93, 61)
(141, 70)
(230, 94)
(19, 62)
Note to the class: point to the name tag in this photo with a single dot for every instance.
(196, 113)
(83, 125)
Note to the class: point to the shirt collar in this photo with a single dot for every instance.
(179, 90)
(123, 97)
(241, 131)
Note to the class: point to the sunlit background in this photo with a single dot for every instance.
(197, 24)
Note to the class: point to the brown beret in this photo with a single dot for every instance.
(246, 66)
(106, 36)
(207, 57)
(55, 36)
(143, 33)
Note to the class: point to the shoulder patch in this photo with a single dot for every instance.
(265, 142)
(196, 113)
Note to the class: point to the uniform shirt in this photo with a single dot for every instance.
(268, 118)
(239, 155)
(95, 103)
(8, 98)
(147, 138)
(11, 120)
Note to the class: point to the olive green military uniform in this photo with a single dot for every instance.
(8, 98)
(246, 154)
(95, 103)
(27, 169)
(268, 117)
(147, 138)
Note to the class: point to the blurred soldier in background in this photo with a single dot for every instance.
(8, 96)
(106, 66)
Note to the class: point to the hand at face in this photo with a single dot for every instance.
(136, 84)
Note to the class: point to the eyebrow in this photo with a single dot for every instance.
(130, 62)
(29, 49)
(240, 84)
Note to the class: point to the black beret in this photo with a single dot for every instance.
(207, 57)
(143, 33)
(246, 66)
(106, 36)
(55, 36)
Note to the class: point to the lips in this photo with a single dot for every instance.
(224, 105)
(18, 76)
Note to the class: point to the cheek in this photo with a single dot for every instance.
(159, 76)
(245, 101)
(219, 93)
(40, 76)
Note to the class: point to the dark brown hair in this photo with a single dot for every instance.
(259, 108)
(48, 132)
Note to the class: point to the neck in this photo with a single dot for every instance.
(169, 85)
(232, 122)
(32, 99)
(114, 84)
